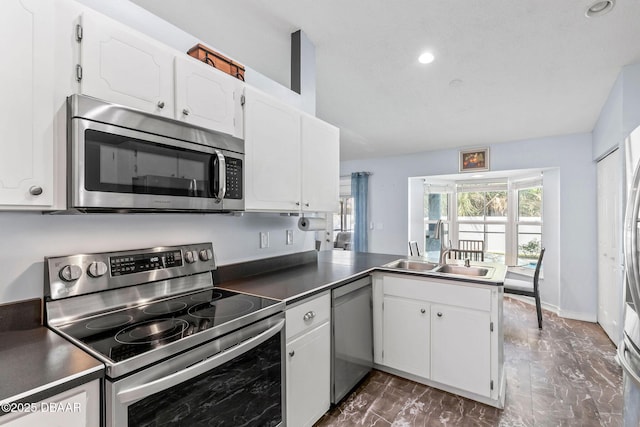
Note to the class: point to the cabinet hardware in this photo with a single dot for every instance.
(423, 311)
(79, 33)
(309, 315)
(78, 72)
(35, 190)
(161, 104)
(491, 385)
(242, 100)
(307, 204)
(292, 353)
(491, 326)
(185, 112)
(297, 203)
(439, 314)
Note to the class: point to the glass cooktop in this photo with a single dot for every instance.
(123, 334)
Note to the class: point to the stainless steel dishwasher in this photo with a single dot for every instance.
(352, 336)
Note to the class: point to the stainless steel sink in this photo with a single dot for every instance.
(407, 264)
(461, 270)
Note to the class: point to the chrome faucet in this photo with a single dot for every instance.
(443, 253)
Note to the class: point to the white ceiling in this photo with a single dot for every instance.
(505, 70)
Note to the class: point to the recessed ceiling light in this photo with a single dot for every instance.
(599, 8)
(426, 58)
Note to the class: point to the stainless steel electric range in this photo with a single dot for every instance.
(177, 350)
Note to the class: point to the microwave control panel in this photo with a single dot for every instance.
(234, 178)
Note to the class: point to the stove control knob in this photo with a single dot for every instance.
(206, 254)
(191, 257)
(69, 273)
(97, 269)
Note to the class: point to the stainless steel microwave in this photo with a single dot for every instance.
(123, 159)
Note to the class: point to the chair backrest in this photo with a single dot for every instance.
(466, 254)
(343, 240)
(413, 248)
(536, 275)
(471, 245)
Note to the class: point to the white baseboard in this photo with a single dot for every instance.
(567, 314)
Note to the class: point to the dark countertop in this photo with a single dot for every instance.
(332, 269)
(37, 363)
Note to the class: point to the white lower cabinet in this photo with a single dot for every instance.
(403, 317)
(461, 348)
(443, 333)
(308, 361)
(77, 407)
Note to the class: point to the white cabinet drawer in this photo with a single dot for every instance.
(307, 315)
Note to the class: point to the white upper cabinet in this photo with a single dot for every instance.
(292, 159)
(272, 153)
(207, 97)
(26, 116)
(320, 165)
(121, 65)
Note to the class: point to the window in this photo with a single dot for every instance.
(529, 224)
(505, 215)
(482, 214)
(436, 211)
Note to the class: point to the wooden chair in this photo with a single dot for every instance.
(465, 254)
(413, 248)
(526, 288)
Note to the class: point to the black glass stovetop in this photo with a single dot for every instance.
(126, 333)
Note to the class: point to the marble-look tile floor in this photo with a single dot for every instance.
(562, 375)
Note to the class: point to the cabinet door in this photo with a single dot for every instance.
(78, 407)
(125, 67)
(308, 377)
(405, 335)
(320, 165)
(461, 348)
(26, 115)
(272, 153)
(207, 97)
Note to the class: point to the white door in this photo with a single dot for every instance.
(461, 348)
(272, 153)
(208, 97)
(405, 335)
(26, 115)
(610, 277)
(320, 165)
(123, 66)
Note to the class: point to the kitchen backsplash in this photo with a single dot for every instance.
(27, 237)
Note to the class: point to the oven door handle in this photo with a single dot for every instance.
(136, 393)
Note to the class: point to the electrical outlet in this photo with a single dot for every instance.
(264, 240)
(289, 237)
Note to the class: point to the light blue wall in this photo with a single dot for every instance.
(620, 113)
(574, 254)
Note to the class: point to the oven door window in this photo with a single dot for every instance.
(115, 163)
(244, 391)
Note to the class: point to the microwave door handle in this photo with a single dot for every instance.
(138, 392)
(222, 177)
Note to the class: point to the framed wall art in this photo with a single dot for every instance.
(475, 160)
